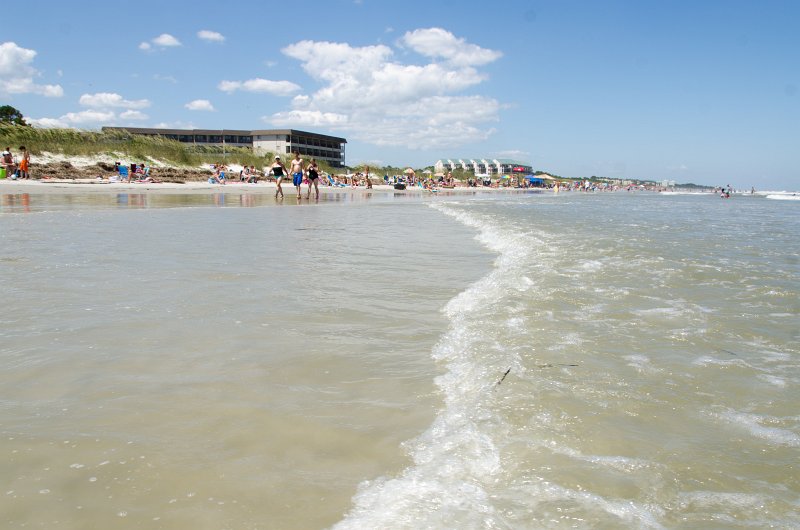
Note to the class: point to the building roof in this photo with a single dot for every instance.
(296, 132)
(238, 132)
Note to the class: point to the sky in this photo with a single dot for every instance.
(705, 92)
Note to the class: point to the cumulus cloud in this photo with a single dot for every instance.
(211, 36)
(17, 75)
(104, 100)
(175, 125)
(165, 40)
(277, 88)
(200, 104)
(368, 94)
(86, 118)
(133, 115)
(47, 123)
(74, 119)
(313, 118)
(440, 43)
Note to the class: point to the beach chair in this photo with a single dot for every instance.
(123, 173)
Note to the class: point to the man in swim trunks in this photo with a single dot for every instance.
(279, 170)
(297, 172)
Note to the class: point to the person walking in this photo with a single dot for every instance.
(279, 170)
(297, 172)
(313, 178)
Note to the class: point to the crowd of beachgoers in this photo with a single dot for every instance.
(303, 172)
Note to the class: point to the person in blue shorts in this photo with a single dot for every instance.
(298, 168)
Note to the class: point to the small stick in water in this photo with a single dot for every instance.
(502, 378)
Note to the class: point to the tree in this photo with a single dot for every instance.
(11, 116)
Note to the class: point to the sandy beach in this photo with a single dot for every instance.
(199, 187)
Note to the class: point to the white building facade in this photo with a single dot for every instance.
(483, 166)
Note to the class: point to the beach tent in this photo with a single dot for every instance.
(534, 180)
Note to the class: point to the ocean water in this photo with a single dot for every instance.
(489, 361)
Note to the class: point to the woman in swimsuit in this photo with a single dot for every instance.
(313, 177)
(279, 170)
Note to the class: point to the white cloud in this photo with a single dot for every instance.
(369, 95)
(516, 154)
(17, 75)
(200, 104)
(168, 78)
(103, 100)
(307, 118)
(165, 40)
(175, 125)
(277, 88)
(133, 115)
(83, 118)
(211, 36)
(88, 116)
(437, 42)
(47, 123)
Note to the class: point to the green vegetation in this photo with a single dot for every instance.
(10, 115)
(121, 144)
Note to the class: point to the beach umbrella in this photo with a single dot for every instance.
(427, 171)
(409, 171)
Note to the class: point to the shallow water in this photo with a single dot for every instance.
(177, 365)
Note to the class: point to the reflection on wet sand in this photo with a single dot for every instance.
(41, 202)
(19, 202)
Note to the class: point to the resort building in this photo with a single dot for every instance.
(483, 166)
(330, 149)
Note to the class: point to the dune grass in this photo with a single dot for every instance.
(72, 142)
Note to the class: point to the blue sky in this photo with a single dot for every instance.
(705, 92)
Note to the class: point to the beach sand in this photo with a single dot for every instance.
(195, 187)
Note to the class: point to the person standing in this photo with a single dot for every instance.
(279, 170)
(24, 163)
(297, 172)
(313, 178)
(8, 163)
(369, 181)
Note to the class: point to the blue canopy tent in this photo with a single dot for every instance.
(534, 181)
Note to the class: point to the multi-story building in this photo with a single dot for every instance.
(483, 166)
(330, 149)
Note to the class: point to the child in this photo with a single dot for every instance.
(24, 163)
